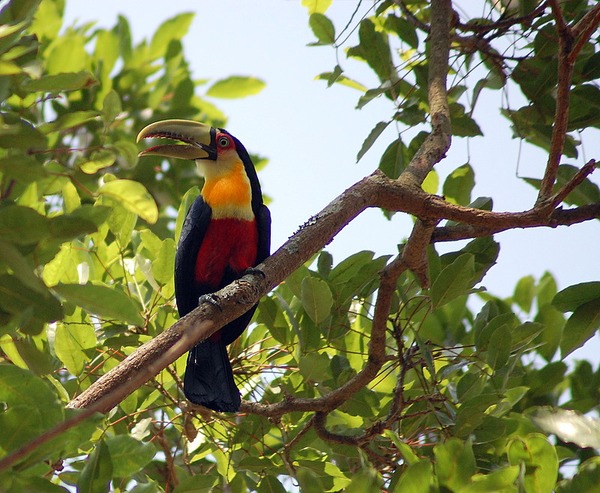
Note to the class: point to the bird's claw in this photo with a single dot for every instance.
(211, 298)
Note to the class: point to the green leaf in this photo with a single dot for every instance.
(30, 407)
(586, 480)
(580, 327)
(16, 133)
(72, 81)
(431, 182)
(393, 161)
(454, 280)
(270, 484)
(498, 481)
(10, 255)
(572, 297)
(371, 138)
(499, 348)
(103, 301)
(22, 168)
(69, 226)
(128, 455)
(162, 267)
(70, 343)
(336, 77)
(21, 482)
(322, 28)
(404, 29)
(524, 293)
(98, 160)
(459, 184)
(111, 107)
(374, 48)
(67, 54)
(539, 459)
(236, 86)
(365, 480)
(454, 463)
(18, 299)
(316, 299)
(133, 196)
(22, 225)
(69, 120)
(173, 29)
(416, 478)
(97, 473)
(315, 367)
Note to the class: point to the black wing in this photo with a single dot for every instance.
(263, 223)
(192, 233)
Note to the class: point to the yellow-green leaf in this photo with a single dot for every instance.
(133, 196)
(236, 86)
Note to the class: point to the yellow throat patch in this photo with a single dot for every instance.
(226, 188)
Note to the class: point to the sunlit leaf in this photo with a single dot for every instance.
(172, 29)
(70, 344)
(98, 160)
(569, 426)
(539, 457)
(133, 196)
(316, 6)
(236, 86)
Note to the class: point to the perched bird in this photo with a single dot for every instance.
(226, 231)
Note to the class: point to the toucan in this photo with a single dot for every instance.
(226, 232)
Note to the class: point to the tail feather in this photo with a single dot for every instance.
(208, 379)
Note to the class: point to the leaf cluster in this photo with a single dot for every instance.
(450, 389)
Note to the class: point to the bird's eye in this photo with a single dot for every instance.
(223, 142)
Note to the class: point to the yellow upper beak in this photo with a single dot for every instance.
(196, 139)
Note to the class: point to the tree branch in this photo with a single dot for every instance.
(559, 217)
(561, 113)
(438, 141)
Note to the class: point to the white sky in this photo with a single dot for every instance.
(312, 134)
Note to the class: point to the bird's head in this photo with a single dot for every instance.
(216, 152)
(195, 140)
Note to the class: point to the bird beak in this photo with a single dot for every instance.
(195, 140)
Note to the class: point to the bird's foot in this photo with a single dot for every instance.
(211, 298)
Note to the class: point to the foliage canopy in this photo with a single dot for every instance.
(456, 390)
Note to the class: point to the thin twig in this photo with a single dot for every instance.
(573, 183)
